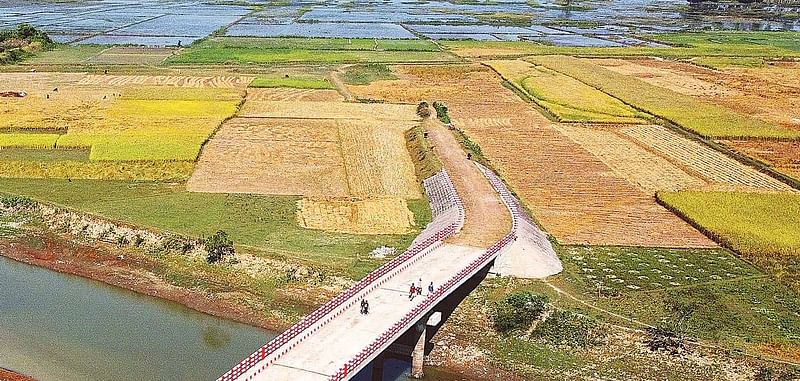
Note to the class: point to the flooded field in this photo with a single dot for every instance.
(596, 23)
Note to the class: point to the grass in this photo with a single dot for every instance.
(742, 41)
(778, 47)
(616, 270)
(750, 223)
(565, 97)
(726, 62)
(365, 74)
(703, 118)
(43, 155)
(242, 51)
(66, 54)
(293, 82)
(29, 140)
(265, 223)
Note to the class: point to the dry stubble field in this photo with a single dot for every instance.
(576, 196)
(349, 160)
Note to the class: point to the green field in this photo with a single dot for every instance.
(619, 269)
(29, 140)
(267, 224)
(708, 44)
(565, 97)
(292, 82)
(243, 51)
(706, 119)
(364, 74)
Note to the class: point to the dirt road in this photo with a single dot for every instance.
(487, 219)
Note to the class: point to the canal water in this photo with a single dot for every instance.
(57, 327)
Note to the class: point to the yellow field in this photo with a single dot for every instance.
(231, 82)
(377, 160)
(154, 170)
(722, 172)
(567, 98)
(328, 110)
(291, 94)
(674, 80)
(641, 167)
(372, 216)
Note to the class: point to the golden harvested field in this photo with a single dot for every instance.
(372, 216)
(377, 160)
(310, 157)
(231, 82)
(290, 94)
(723, 172)
(106, 170)
(575, 196)
(272, 156)
(783, 156)
(328, 110)
(639, 166)
(771, 94)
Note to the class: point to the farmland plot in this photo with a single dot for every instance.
(783, 156)
(231, 82)
(290, 94)
(328, 110)
(742, 91)
(574, 195)
(567, 98)
(720, 170)
(372, 216)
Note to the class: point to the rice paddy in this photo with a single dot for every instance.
(567, 98)
(755, 224)
(706, 119)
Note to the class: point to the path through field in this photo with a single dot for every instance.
(487, 219)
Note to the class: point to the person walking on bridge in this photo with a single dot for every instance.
(419, 289)
(430, 288)
(364, 307)
(412, 292)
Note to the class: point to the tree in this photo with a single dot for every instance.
(518, 311)
(218, 247)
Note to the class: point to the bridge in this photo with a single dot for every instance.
(336, 341)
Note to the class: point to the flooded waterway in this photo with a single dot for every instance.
(62, 327)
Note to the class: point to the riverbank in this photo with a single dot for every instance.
(9, 375)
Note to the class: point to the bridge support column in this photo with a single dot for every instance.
(377, 367)
(418, 355)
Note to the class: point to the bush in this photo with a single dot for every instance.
(518, 312)
(219, 246)
(16, 44)
(16, 202)
(441, 112)
(423, 110)
(571, 329)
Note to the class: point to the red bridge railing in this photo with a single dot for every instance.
(312, 322)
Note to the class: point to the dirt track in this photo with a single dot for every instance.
(7, 375)
(487, 219)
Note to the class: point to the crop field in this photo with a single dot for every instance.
(783, 156)
(567, 98)
(306, 151)
(292, 94)
(771, 101)
(720, 170)
(639, 166)
(704, 118)
(622, 269)
(755, 224)
(575, 196)
(371, 216)
(121, 119)
(328, 110)
(125, 55)
(221, 50)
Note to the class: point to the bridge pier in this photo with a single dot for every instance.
(418, 354)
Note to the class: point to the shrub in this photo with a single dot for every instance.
(219, 246)
(16, 44)
(16, 202)
(423, 110)
(571, 329)
(518, 312)
(441, 112)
